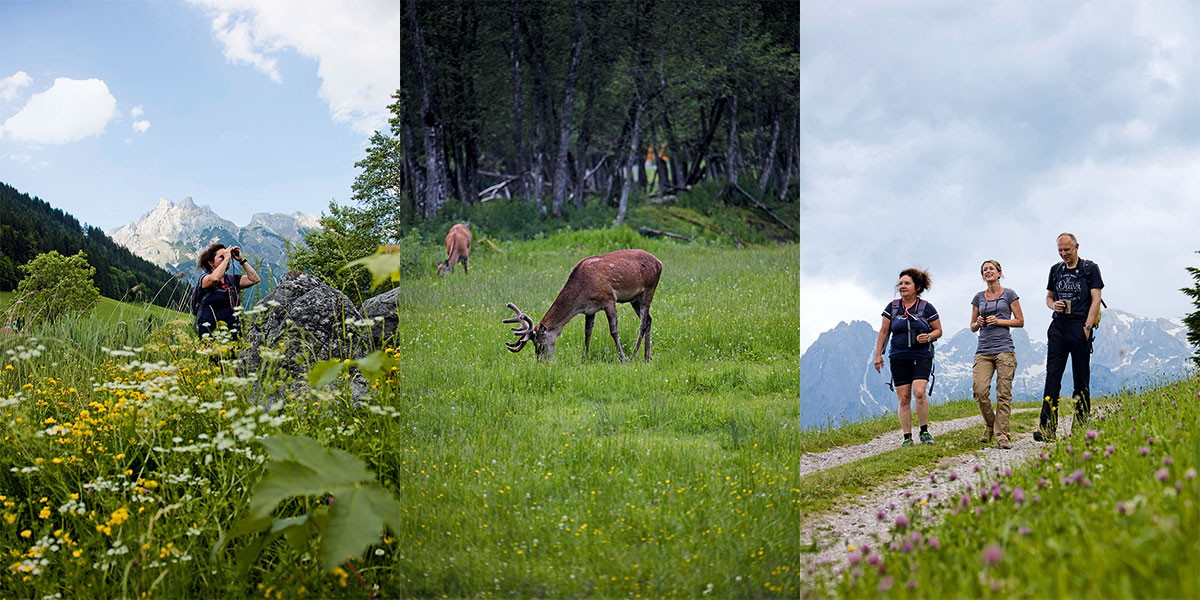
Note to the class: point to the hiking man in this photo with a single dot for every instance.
(1073, 293)
(218, 291)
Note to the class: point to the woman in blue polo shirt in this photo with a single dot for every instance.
(913, 325)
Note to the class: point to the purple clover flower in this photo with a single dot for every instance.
(992, 554)
(901, 522)
(933, 543)
(1162, 475)
(1167, 461)
(1018, 494)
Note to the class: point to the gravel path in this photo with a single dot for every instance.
(858, 522)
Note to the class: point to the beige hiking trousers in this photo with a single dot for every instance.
(1004, 366)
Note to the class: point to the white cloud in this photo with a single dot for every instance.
(70, 110)
(141, 126)
(356, 46)
(825, 301)
(11, 86)
(136, 111)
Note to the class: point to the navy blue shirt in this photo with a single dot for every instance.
(914, 321)
(1075, 285)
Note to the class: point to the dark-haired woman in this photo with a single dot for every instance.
(993, 312)
(220, 291)
(913, 325)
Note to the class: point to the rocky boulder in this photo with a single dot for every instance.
(382, 309)
(304, 322)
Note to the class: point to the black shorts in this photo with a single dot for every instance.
(907, 370)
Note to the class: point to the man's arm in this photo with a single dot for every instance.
(1093, 312)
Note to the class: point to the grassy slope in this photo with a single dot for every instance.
(1109, 513)
(679, 468)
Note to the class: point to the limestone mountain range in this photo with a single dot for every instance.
(173, 234)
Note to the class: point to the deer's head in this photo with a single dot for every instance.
(543, 339)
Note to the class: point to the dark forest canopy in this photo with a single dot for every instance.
(30, 226)
(555, 101)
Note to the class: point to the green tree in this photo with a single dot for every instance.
(1192, 320)
(348, 234)
(55, 286)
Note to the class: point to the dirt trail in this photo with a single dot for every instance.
(857, 521)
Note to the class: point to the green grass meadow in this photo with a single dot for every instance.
(580, 477)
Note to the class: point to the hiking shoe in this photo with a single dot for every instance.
(1039, 436)
(986, 438)
(1002, 443)
(926, 437)
(907, 442)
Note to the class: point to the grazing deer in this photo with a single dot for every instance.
(458, 248)
(596, 284)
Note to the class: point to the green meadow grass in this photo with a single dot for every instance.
(1110, 512)
(580, 477)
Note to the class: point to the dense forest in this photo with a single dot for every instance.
(30, 226)
(555, 102)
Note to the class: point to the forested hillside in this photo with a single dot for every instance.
(30, 226)
(558, 103)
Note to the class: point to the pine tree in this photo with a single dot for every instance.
(1192, 320)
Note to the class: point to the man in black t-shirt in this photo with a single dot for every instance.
(1073, 293)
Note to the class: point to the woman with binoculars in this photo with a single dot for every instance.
(218, 291)
(993, 312)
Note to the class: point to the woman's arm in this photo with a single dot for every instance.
(934, 334)
(218, 273)
(883, 333)
(251, 276)
(1018, 319)
(974, 318)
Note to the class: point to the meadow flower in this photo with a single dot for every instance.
(1091, 434)
(1018, 494)
(953, 476)
(1024, 530)
(1109, 451)
(1087, 455)
(933, 543)
(901, 522)
(1162, 475)
(1167, 461)
(992, 554)
(854, 558)
(1144, 450)
(1191, 472)
(912, 584)
(886, 584)
(881, 515)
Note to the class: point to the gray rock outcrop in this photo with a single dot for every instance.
(383, 305)
(305, 322)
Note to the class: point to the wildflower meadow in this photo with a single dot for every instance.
(140, 461)
(1111, 510)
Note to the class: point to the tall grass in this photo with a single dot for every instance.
(577, 477)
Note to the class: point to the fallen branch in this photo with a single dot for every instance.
(764, 208)
(655, 232)
(493, 246)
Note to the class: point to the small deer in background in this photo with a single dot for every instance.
(458, 248)
(596, 284)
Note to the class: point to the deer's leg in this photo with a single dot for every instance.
(610, 311)
(588, 321)
(464, 262)
(638, 309)
(644, 302)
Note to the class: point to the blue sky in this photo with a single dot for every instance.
(244, 105)
(941, 133)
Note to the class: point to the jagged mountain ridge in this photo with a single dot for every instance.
(838, 380)
(173, 234)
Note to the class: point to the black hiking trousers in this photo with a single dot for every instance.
(1066, 338)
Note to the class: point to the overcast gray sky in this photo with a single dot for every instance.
(942, 133)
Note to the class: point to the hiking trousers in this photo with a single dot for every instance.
(1066, 338)
(1004, 366)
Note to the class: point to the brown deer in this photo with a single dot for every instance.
(458, 248)
(596, 284)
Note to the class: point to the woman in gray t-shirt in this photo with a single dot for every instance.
(993, 312)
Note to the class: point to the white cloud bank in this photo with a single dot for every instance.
(356, 46)
(72, 109)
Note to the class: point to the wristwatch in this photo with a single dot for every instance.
(1088, 327)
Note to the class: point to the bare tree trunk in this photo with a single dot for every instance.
(768, 167)
(714, 119)
(731, 152)
(568, 109)
(522, 165)
(792, 159)
(435, 158)
(416, 184)
(623, 206)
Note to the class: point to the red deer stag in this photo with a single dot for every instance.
(596, 284)
(458, 248)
